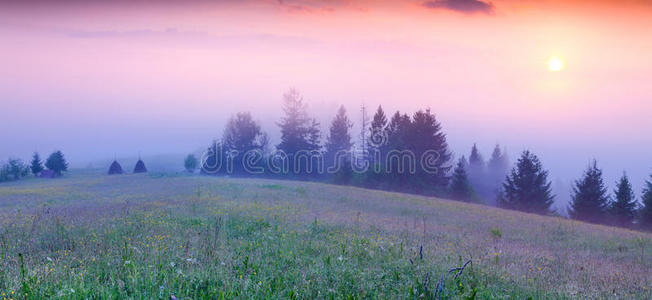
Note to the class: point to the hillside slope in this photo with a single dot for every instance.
(190, 236)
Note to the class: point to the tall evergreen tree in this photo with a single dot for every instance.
(497, 169)
(242, 136)
(314, 136)
(36, 165)
(460, 187)
(56, 162)
(476, 165)
(589, 201)
(378, 134)
(424, 138)
(338, 146)
(397, 133)
(527, 187)
(623, 209)
(645, 214)
(377, 145)
(477, 173)
(295, 125)
(298, 131)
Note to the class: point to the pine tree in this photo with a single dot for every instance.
(477, 172)
(397, 133)
(298, 131)
(645, 214)
(295, 125)
(426, 139)
(460, 187)
(242, 137)
(314, 136)
(377, 145)
(37, 164)
(338, 146)
(56, 162)
(378, 130)
(527, 187)
(623, 209)
(476, 165)
(589, 200)
(497, 169)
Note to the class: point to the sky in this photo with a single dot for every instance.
(99, 79)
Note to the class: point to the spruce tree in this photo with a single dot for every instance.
(497, 167)
(37, 164)
(56, 162)
(623, 209)
(338, 146)
(242, 137)
(527, 187)
(298, 131)
(378, 134)
(645, 214)
(460, 187)
(477, 172)
(397, 133)
(476, 164)
(377, 145)
(424, 138)
(589, 200)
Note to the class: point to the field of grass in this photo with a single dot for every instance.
(153, 236)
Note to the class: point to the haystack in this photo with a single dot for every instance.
(115, 168)
(140, 167)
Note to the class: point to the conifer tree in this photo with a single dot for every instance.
(527, 187)
(242, 137)
(36, 165)
(589, 200)
(424, 138)
(338, 146)
(377, 145)
(56, 162)
(477, 173)
(460, 187)
(476, 165)
(645, 214)
(497, 169)
(298, 131)
(623, 209)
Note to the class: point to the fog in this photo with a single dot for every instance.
(104, 82)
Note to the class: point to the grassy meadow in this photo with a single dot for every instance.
(152, 236)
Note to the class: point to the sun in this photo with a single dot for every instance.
(555, 64)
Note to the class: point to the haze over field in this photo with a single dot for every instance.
(96, 79)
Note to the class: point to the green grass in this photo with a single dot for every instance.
(149, 237)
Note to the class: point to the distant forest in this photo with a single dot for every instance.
(410, 154)
(400, 153)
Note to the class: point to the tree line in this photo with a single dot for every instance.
(16, 169)
(409, 153)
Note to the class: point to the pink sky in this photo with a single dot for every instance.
(98, 78)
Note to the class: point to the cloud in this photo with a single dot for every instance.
(463, 6)
(312, 5)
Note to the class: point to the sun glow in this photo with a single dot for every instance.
(555, 64)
